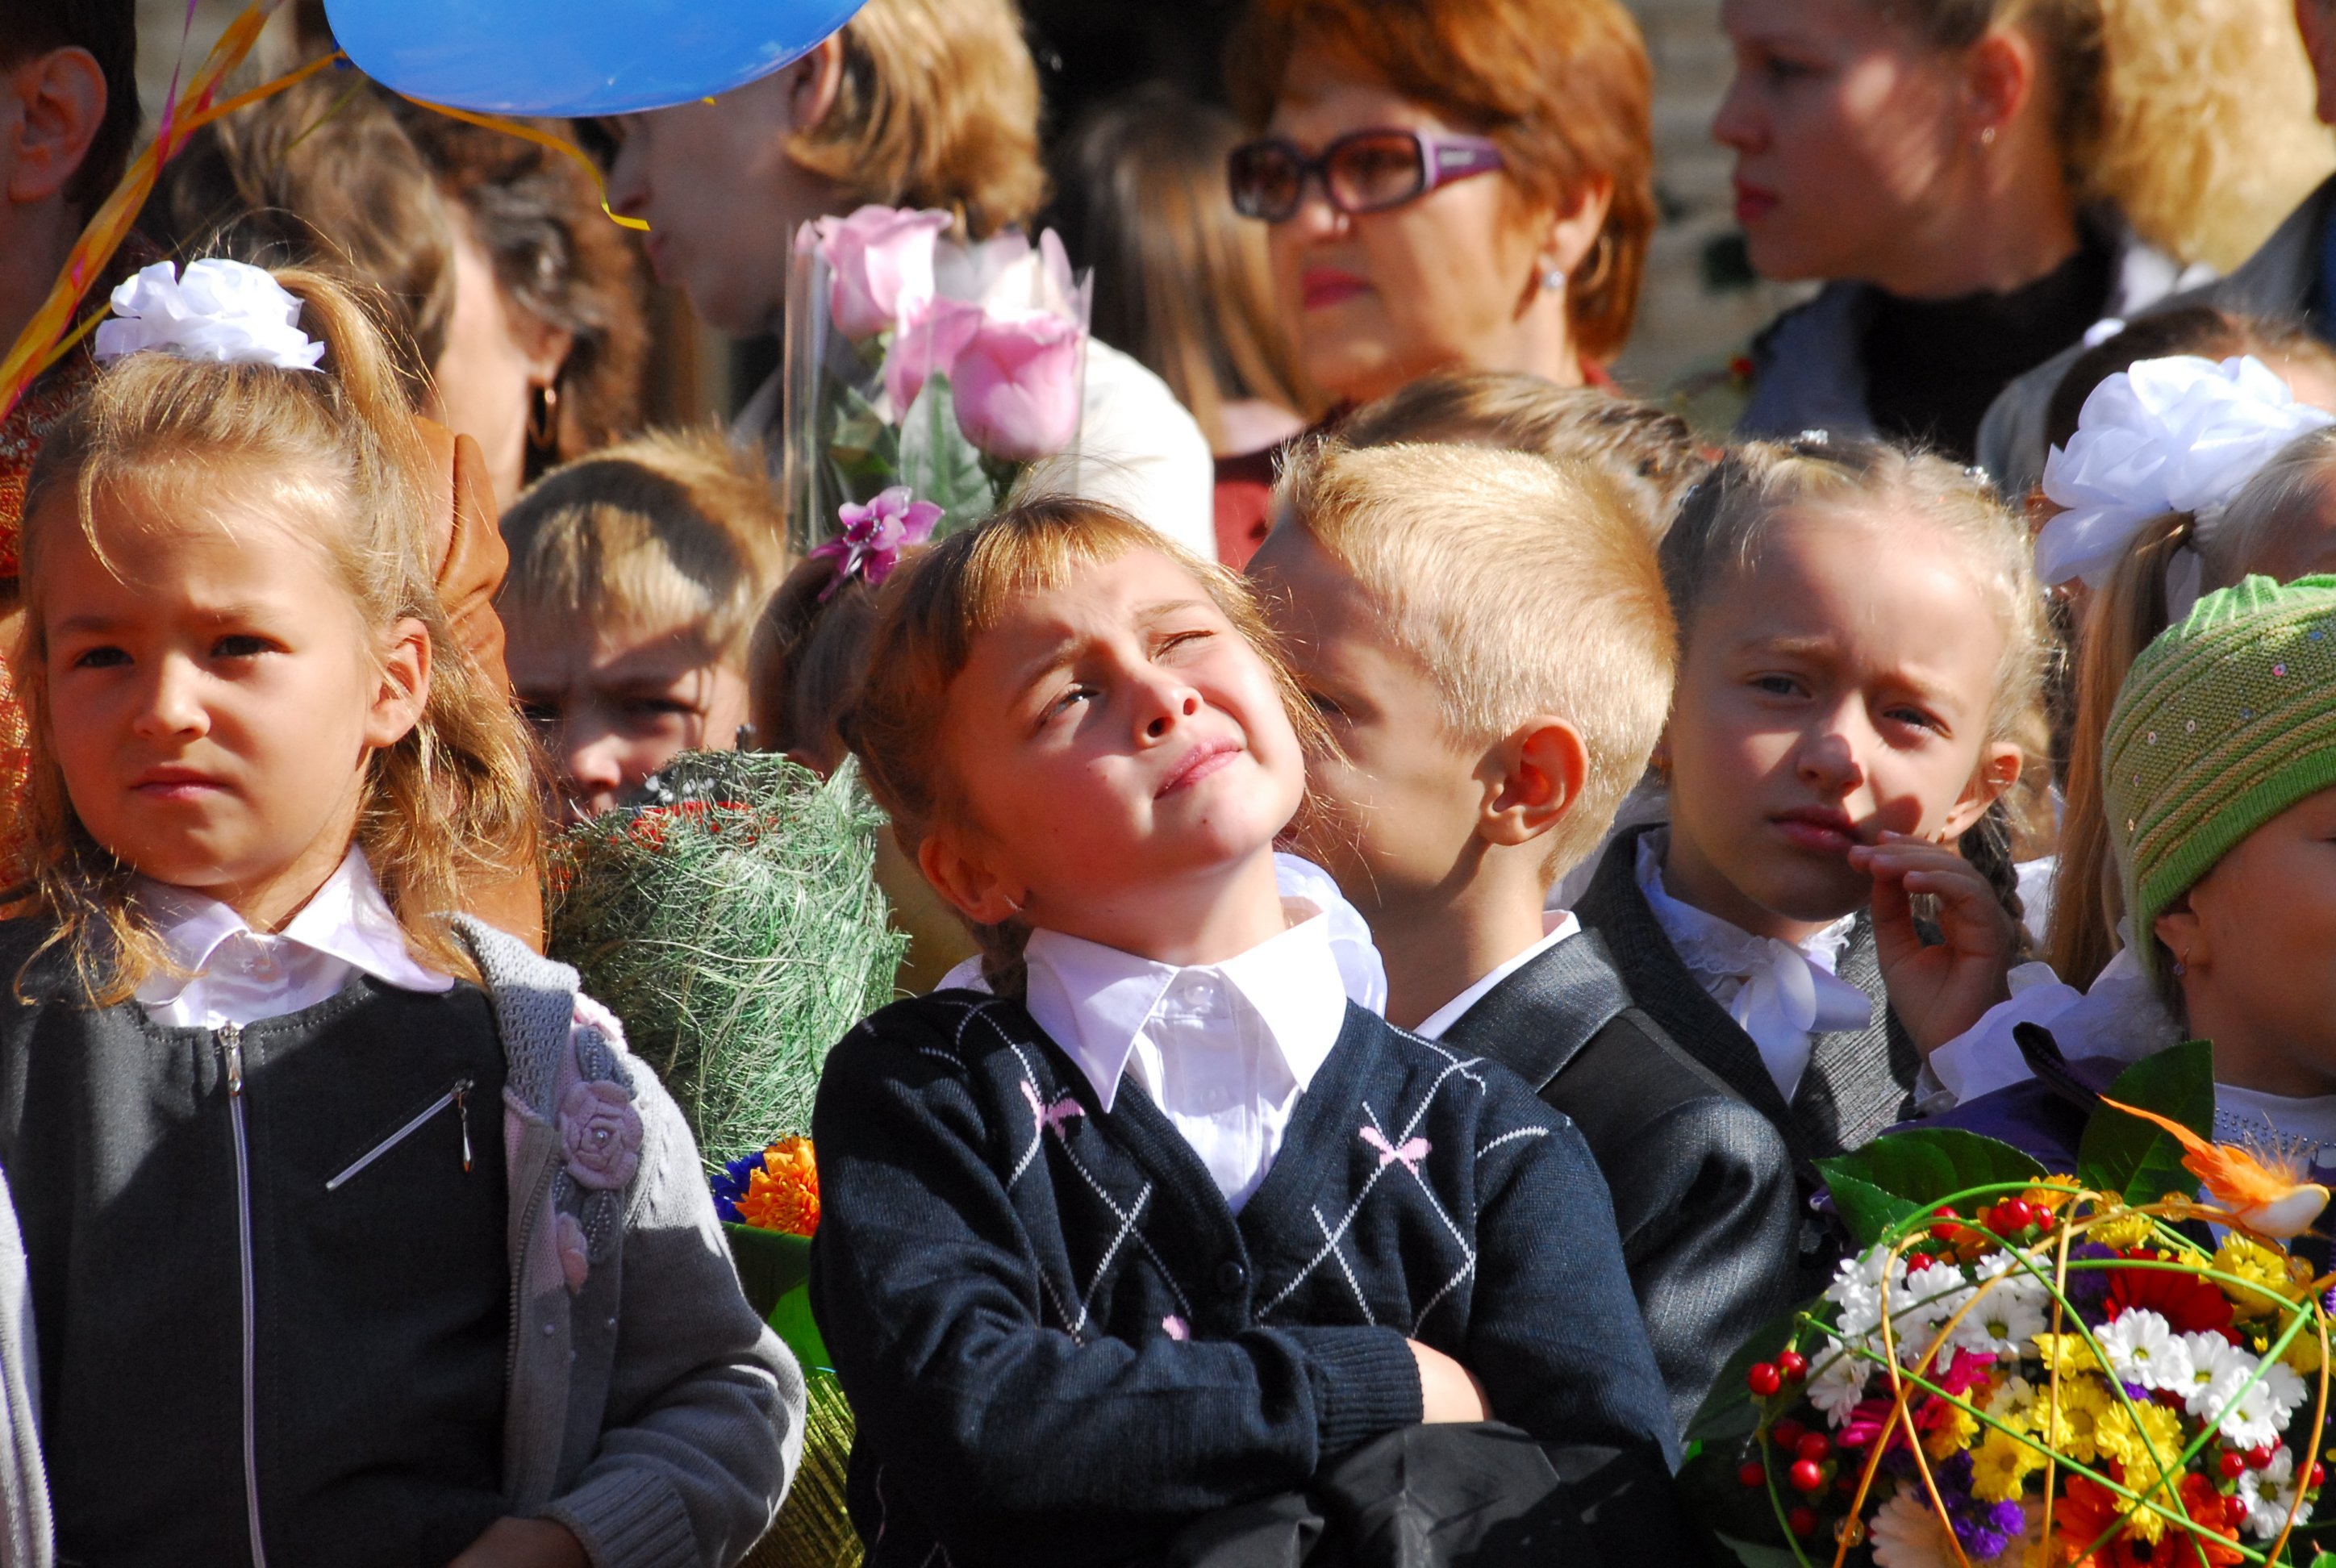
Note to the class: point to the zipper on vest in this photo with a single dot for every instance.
(231, 1047)
(459, 1097)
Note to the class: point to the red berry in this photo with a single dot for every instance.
(1813, 1446)
(2235, 1510)
(1806, 1475)
(2318, 1474)
(1764, 1379)
(1802, 1521)
(2011, 1217)
(2233, 1465)
(2259, 1456)
(1918, 1262)
(1792, 1364)
(1786, 1434)
(1752, 1472)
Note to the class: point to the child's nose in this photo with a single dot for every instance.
(1178, 705)
(1735, 125)
(174, 704)
(1833, 758)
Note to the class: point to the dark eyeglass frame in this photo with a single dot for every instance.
(1442, 159)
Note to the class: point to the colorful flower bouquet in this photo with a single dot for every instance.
(2090, 1371)
(921, 364)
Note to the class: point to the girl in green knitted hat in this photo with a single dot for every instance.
(2219, 782)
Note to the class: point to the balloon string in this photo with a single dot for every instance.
(49, 335)
(560, 144)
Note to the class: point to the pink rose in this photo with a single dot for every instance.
(575, 1250)
(602, 1133)
(880, 264)
(1017, 386)
(930, 338)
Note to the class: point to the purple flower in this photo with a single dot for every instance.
(602, 1134)
(875, 534)
(2088, 1289)
(1985, 1529)
(732, 1184)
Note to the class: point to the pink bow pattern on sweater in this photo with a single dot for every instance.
(1410, 1152)
(1051, 1116)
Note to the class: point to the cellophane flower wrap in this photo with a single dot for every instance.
(916, 361)
(2032, 1369)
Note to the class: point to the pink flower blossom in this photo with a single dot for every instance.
(880, 265)
(875, 534)
(1017, 386)
(929, 339)
(602, 1134)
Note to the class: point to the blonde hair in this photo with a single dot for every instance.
(1518, 585)
(933, 610)
(676, 527)
(938, 107)
(1651, 454)
(2281, 502)
(1729, 516)
(451, 802)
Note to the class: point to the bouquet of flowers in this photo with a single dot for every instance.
(2096, 1369)
(921, 370)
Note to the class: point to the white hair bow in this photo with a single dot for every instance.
(226, 312)
(2176, 434)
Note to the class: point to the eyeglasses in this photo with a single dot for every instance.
(1361, 171)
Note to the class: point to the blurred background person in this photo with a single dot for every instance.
(545, 346)
(920, 104)
(1184, 284)
(1447, 183)
(1978, 183)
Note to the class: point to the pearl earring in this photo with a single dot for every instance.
(2180, 968)
(1986, 136)
(1553, 280)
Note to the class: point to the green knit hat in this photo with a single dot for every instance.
(2222, 723)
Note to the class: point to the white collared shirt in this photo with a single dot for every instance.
(1782, 993)
(1225, 1050)
(1556, 926)
(238, 976)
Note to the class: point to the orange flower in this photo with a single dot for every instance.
(784, 1194)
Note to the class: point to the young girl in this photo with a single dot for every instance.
(350, 1234)
(2219, 782)
(1162, 1224)
(1861, 637)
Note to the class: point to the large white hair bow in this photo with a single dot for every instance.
(228, 312)
(2176, 434)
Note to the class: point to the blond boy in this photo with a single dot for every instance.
(1488, 637)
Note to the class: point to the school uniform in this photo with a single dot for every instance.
(1149, 1243)
(1714, 1234)
(1804, 1034)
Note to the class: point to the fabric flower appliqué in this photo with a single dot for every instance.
(575, 1250)
(601, 1133)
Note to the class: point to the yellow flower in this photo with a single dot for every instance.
(2127, 1228)
(1957, 1426)
(2048, 1198)
(2118, 1434)
(2066, 1354)
(2250, 1260)
(2001, 1465)
(2303, 1353)
(2082, 1400)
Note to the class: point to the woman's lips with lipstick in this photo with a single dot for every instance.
(1207, 757)
(1822, 829)
(1753, 203)
(1322, 287)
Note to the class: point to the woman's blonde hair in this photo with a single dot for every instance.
(939, 604)
(938, 107)
(2195, 118)
(2284, 500)
(1729, 516)
(455, 800)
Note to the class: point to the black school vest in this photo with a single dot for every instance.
(266, 1293)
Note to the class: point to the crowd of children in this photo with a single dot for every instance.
(1372, 1021)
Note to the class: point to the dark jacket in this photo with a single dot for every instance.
(1858, 1081)
(1061, 1345)
(1714, 1234)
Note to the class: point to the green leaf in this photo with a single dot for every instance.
(2122, 1154)
(939, 465)
(794, 1325)
(1727, 1415)
(1901, 1174)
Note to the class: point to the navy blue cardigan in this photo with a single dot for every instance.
(1061, 1344)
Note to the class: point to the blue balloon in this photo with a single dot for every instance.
(577, 57)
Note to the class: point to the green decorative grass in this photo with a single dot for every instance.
(735, 927)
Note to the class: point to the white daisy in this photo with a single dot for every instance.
(1837, 1381)
(2014, 1398)
(2143, 1349)
(2263, 1412)
(2008, 1315)
(2217, 1368)
(1906, 1533)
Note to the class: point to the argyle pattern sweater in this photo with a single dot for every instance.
(1061, 1345)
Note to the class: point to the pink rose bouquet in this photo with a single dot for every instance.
(923, 372)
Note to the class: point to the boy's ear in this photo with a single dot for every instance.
(2000, 763)
(403, 690)
(1543, 765)
(2183, 933)
(960, 874)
